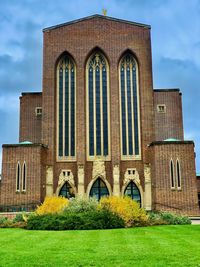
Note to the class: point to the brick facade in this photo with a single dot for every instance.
(79, 39)
(30, 124)
(35, 156)
(168, 124)
(183, 200)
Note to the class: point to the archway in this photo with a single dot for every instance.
(99, 189)
(132, 191)
(67, 191)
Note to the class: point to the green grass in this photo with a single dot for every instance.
(146, 246)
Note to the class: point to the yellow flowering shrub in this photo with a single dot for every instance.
(52, 205)
(128, 209)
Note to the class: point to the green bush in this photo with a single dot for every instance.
(159, 218)
(18, 218)
(171, 218)
(102, 219)
(82, 205)
(3, 220)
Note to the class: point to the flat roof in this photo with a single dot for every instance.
(97, 16)
(31, 93)
(167, 90)
(24, 144)
(171, 142)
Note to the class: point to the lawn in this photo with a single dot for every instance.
(146, 246)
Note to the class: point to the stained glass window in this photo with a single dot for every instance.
(66, 108)
(98, 112)
(129, 107)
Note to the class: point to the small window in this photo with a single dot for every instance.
(18, 174)
(178, 173)
(24, 177)
(161, 108)
(172, 174)
(38, 111)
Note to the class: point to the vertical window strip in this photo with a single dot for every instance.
(60, 112)
(66, 111)
(135, 105)
(98, 112)
(105, 112)
(18, 174)
(72, 113)
(97, 106)
(129, 107)
(91, 112)
(123, 113)
(24, 177)
(101, 110)
(178, 174)
(172, 174)
(129, 110)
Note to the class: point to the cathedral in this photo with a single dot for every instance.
(98, 127)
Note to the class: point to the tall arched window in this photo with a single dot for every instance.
(66, 109)
(129, 107)
(133, 192)
(172, 178)
(67, 191)
(98, 124)
(99, 189)
(178, 174)
(24, 177)
(18, 174)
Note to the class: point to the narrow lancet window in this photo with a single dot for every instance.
(66, 75)
(24, 174)
(97, 106)
(129, 107)
(178, 173)
(172, 174)
(18, 174)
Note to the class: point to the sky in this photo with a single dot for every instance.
(175, 50)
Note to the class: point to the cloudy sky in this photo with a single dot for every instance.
(175, 47)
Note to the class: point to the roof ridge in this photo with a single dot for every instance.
(96, 16)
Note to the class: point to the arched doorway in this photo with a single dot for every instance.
(67, 191)
(132, 191)
(99, 189)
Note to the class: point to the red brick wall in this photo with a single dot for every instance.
(34, 156)
(79, 39)
(164, 198)
(169, 124)
(30, 124)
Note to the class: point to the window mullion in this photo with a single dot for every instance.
(132, 109)
(63, 129)
(126, 109)
(94, 109)
(69, 111)
(101, 111)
